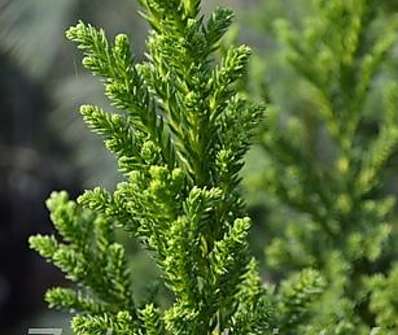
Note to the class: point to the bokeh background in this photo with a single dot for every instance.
(44, 145)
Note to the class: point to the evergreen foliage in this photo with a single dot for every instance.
(327, 166)
(179, 137)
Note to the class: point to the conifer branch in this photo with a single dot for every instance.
(180, 136)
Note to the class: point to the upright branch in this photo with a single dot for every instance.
(180, 133)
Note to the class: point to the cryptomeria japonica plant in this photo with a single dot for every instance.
(179, 136)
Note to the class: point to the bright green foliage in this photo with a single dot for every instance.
(384, 300)
(296, 293)
(89, 256)
(326, 164)
(180, 134)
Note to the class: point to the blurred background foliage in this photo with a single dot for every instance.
(45, 146)
(273, 80)
(302, 47)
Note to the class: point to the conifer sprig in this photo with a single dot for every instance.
(180, 135)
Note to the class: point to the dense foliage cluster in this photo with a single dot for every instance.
(179, 136)
(180, 132)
